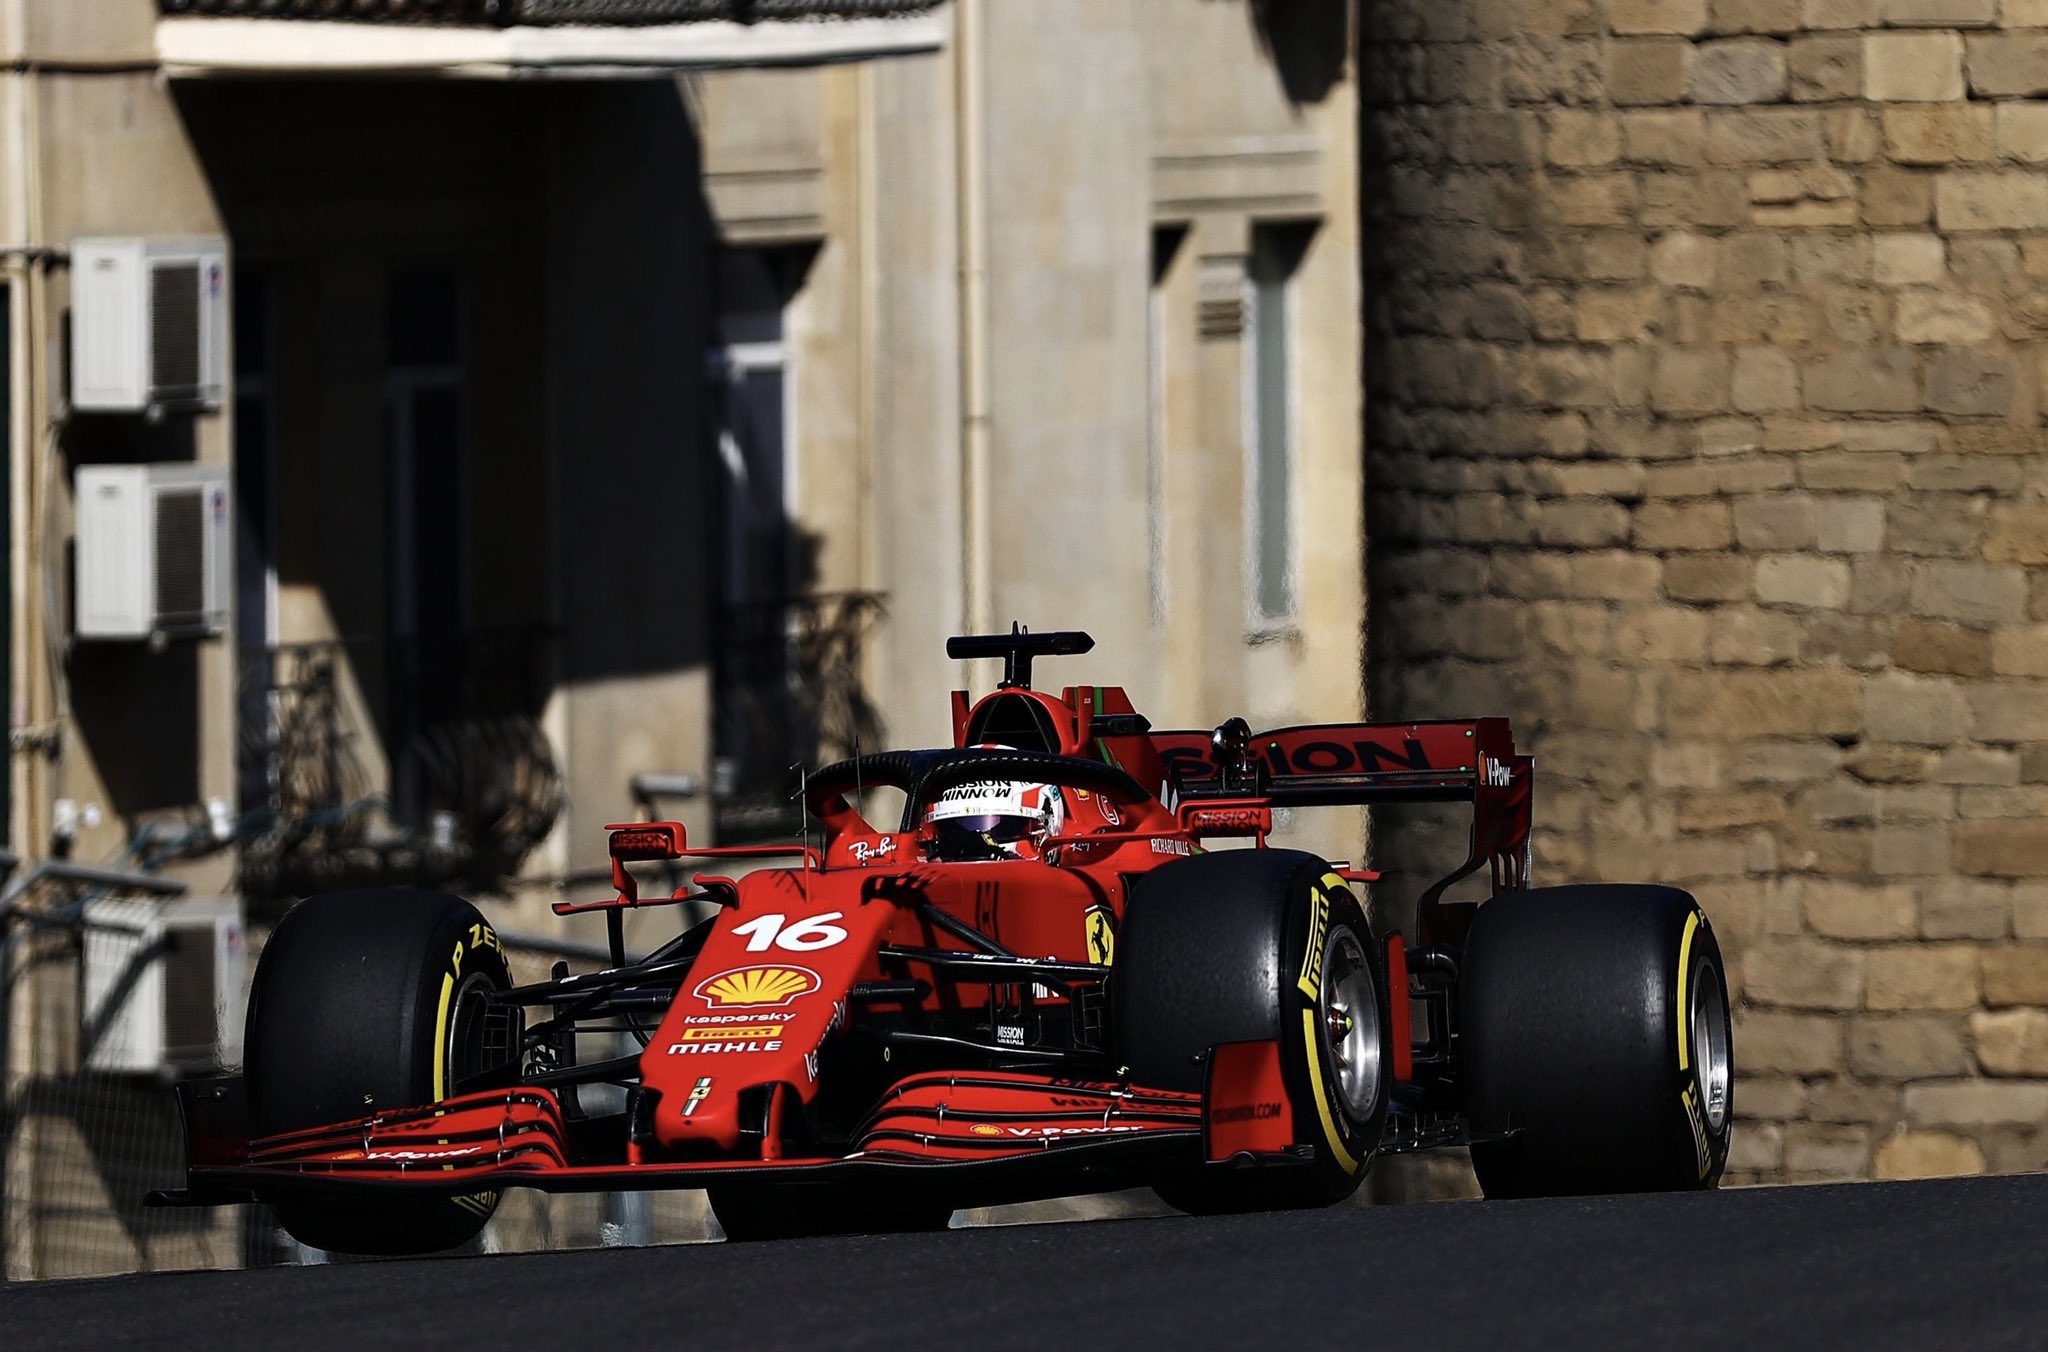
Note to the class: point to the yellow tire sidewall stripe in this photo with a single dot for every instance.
(478, 1203)
(1345, 1158)
(1320, 918)
(1692, 924)
(441, 1037)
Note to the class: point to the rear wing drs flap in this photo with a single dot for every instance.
(1344, 764)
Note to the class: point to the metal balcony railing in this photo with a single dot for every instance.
(473, 783)
(789, 695)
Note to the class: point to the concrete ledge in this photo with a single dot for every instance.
(190, 47)
(768, 205)
(1252, 173)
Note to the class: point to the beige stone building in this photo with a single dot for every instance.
(1709, 361)
(650, 398)
(642, 390)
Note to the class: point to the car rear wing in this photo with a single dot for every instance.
(1341, 764)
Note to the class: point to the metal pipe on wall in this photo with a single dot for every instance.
(7, 347)
(22, 242)
(19, 427)
(970, 120)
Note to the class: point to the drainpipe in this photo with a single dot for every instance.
(19, 267)
(8, 385)
(970, 121)
(27, 258)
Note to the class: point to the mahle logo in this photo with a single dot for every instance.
(756, 987)
(733, 1032)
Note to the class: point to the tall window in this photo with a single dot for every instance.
(1270, 421)
(744, 369)
(427, 435)
(758, 734)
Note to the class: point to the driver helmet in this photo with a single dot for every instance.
(993, 819)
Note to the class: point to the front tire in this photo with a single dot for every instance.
(366, 1002)
(1596, 1034)
(1259, 945)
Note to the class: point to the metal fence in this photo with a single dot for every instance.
(83, 1145)
(414, 761)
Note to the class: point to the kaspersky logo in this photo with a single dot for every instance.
(756, 987)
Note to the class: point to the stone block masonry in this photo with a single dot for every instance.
(1708, 366)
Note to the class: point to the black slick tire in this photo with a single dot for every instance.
(1240, 946)
(366, 1001)
(1595, 1034)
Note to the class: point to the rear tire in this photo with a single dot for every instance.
(343, 1019)
(1595, 1028)
(1227, 947)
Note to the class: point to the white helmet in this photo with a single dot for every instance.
(993, 819)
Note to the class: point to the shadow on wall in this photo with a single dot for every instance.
(1308, 41)
(1408, 222)
(472, 431)
(128, 694)
(568, 231)
(497, 409)
(634, 246)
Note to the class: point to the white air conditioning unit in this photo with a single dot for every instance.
(152, 551)
(163, 986)
(149, 324)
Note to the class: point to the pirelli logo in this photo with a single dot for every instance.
(1311, 982)
(732, 1032)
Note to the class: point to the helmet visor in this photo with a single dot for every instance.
(994, 825)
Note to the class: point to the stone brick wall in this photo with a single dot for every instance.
(1709, 355)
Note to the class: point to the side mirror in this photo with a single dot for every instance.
(1230, 746)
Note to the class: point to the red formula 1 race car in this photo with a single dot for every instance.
(1038, 982)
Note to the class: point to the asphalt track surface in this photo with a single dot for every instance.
(1960, 1264)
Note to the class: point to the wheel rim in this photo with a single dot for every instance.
(1351, 1025)
(1710, 1056)
(465, 1051)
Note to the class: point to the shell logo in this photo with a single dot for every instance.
(984, 1129)
(754, 987)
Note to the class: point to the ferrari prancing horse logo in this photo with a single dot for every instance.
(1101, 938)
